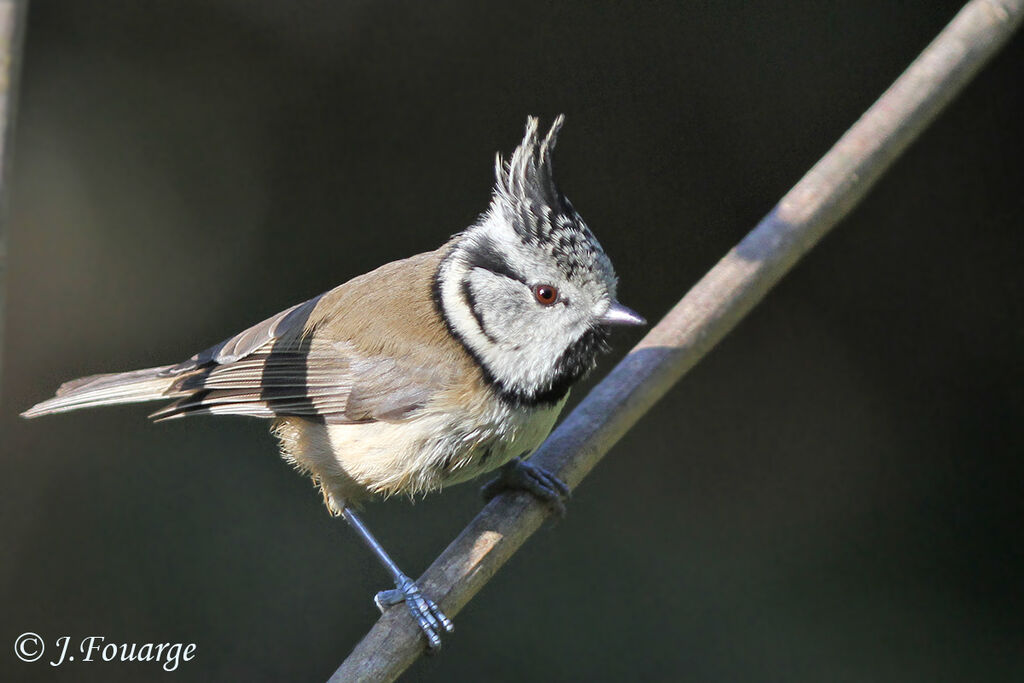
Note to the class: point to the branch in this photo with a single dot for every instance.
(706, 314)
(12, 26)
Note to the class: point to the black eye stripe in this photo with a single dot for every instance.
(484, 253)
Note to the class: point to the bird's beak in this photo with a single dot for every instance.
(617, 314)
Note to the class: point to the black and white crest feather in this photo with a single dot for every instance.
(529, 176)
(526, 195)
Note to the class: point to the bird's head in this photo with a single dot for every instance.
(528, 290)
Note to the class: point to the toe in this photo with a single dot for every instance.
(556, 483)
(433, 640)
(385, 599)
(420, 609)
(538, 481)
(549, 488)
(429, 628)
(428, 616)
(445, 622)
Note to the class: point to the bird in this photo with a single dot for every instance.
(426, 372)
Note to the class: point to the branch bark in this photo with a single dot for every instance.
(12, 26)
(706, 314)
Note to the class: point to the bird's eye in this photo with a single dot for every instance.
(545, 294)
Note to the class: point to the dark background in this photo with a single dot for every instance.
(833, 494)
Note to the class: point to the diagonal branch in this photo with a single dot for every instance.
(706, 314)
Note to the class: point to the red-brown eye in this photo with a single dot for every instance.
(546, 294)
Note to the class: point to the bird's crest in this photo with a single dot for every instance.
(528, 177)
(526, 196)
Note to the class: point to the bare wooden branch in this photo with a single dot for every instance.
(12, 23)
(705, 315)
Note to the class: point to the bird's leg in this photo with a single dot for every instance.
(518, 474)
(429, 616)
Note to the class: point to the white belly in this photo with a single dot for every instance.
(425, 453)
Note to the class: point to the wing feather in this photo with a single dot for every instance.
(301, 376)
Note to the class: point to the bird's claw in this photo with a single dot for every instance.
(520, 475)
(427, 614)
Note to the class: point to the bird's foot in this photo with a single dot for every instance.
(428, 615)
(522, 476)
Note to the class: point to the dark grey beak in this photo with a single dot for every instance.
(617, 314)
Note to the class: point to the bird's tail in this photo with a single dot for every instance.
(150, 384)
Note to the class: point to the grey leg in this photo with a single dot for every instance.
(431, 619)
(518, 474)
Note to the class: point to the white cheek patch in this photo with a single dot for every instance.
(523, 365)
(494, 302)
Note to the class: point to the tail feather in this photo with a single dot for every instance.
(149, 384)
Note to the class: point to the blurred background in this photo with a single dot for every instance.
(835, 493)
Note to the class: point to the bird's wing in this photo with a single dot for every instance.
(374, 348)
(330, 380)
